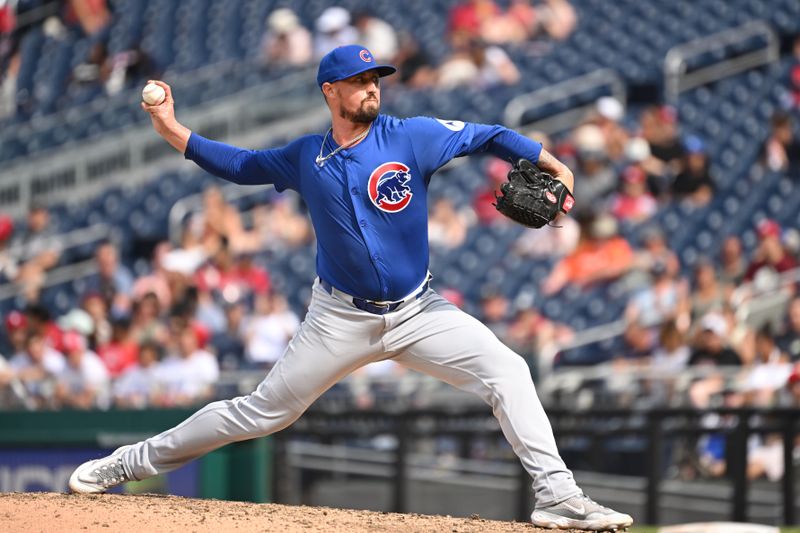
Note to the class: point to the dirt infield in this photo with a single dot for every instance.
(47, 512)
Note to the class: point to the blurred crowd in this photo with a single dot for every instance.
(477, 31)
(100, 72)
(127, 327)
(158, 339)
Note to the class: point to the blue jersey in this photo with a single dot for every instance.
(368, 203)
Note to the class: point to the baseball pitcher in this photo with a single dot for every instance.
(365, 183)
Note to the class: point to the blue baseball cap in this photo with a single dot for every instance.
(694, 144)
(346, 61)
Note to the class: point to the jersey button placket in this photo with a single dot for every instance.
(358, 212)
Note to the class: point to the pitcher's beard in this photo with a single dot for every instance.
(365, 114)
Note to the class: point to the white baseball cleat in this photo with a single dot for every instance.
(580, 512)
(99, 475)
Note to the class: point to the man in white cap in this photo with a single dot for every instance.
(287, 42)
(333, 30)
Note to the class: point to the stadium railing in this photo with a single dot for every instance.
(677, 74)
(755, 306)
(559, 107)
(136, 155)
(657, 427)
(71, 239)
(194, 203)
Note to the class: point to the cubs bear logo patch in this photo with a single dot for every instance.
(389, 188)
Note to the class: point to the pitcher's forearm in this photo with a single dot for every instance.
(176, 134)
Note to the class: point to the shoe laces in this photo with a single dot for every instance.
(598, 507)
(111, 473)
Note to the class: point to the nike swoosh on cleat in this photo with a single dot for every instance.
(579, 510)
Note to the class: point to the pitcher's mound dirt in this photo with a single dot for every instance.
(42, 512)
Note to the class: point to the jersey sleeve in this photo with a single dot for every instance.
(276, 166)
(435, 142)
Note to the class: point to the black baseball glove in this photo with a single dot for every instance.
(533, 197)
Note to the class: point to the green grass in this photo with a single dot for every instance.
(654, 529)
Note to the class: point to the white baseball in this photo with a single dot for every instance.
(153, 94)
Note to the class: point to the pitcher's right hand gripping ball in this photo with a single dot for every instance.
(532, 197)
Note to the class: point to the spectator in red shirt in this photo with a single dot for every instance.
(252, 275)
(794, 78)
(770, 258)
(8, 20)
(634, 202)
(121, 352)
(93, 16)
(468, 18)
(227, 275)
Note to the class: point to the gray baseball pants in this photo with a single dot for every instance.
(429, 335)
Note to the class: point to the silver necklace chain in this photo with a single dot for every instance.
(321, 160)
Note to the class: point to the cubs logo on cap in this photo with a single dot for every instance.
(388, 187)
(346, 61)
